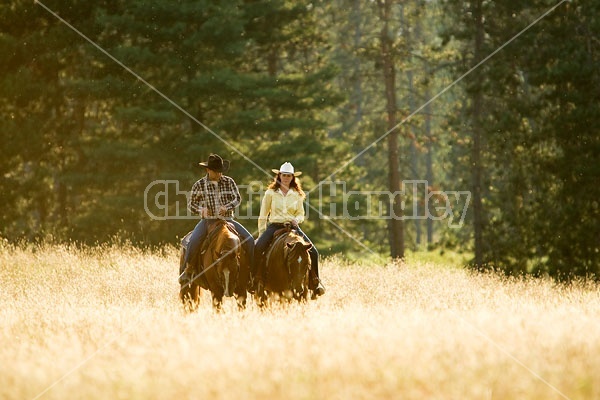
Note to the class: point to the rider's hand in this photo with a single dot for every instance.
(294, 223)
(204, 212)
(222, 211)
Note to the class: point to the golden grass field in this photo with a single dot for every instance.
(106, 323)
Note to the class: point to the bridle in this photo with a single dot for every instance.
(289, 257)
(223, 255)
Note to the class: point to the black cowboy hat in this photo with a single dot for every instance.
(216, 163)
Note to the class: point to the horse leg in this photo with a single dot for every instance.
(240, 293)
(217, 300)
(217, 305)
(287, 294)
(196, 291)
(243, 278)
(259, 295)
(241, 302)
(189, 297)
(226, 273)
(185, 296)
(304, 295)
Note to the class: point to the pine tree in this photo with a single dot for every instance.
(163, 85)
(529, 195)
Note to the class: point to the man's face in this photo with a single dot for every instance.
(213, 175)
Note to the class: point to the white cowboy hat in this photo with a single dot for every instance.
(287, 168)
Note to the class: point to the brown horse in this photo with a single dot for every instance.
(287, 268)
(223, 269)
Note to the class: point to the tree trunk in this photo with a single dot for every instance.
(477, 133)
(428, 135)
(429, 160)
(414, 154)
(396, 225)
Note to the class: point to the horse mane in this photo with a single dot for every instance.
(224, 235)
(279, 245)
(230, 239)
(294, 237)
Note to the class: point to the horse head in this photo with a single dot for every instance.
(226, 258)
(297, 262)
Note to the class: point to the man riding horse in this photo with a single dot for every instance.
(214, 196)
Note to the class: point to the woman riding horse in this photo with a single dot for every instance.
(283, 202)
(288, 265)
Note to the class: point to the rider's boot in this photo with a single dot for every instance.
(319, 290)
(184, 277)
(314, 284)
(184, 280)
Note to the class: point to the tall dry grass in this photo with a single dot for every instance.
(105, 323)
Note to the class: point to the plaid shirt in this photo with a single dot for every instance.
(206, 194)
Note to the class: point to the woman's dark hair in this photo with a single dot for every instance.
(294, 184)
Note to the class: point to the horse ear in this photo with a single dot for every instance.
(289, 245)
(308, 246)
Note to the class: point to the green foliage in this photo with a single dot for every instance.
(263, 82)
(97, 136)
(539, 141)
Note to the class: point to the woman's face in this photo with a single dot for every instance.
(286, 179)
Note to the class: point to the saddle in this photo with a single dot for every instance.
(212, 224)
(277, 235)
(281, 231)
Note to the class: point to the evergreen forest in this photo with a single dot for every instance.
(419, 125)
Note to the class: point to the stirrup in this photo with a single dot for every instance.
(318, 291)
(184, 278)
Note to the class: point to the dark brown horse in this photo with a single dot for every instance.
(223, 267)
(287, 268)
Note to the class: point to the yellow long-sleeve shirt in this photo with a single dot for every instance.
(277, 208)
